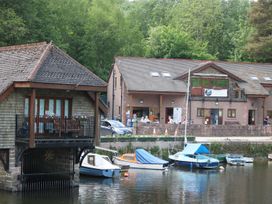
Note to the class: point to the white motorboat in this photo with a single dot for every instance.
(238, 159)
(98, 165)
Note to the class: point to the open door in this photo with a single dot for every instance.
(251, 117)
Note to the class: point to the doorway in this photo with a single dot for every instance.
(251, 117)
(216, 116)
(168, 113)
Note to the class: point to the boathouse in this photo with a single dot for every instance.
(49, 113)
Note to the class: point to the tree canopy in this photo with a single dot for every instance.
(260, 45)
(95, 31)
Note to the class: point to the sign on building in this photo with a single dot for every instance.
(216, 93)
(177, 114)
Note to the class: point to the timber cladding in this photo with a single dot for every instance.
(9, 107)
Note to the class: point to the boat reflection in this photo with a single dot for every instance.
(198, 183)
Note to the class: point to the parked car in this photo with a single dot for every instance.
(114, 127)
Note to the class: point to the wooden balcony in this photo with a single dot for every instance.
(57, 132)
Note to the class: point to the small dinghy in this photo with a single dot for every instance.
(235, 160)
(238, 159)
(98, 165)
(141, 159)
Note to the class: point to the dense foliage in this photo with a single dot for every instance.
(260, 45)
(95, 31)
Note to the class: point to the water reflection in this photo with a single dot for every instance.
(245, 184)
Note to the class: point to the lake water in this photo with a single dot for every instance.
(243, 184)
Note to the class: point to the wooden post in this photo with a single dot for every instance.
(97, 119)
(32, 119)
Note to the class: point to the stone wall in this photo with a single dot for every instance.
(9, 177)
(203, 130)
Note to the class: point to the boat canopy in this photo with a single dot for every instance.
(195, 149)
(145, 157)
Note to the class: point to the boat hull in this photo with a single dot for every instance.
(200, 165)
(238, 160)
(135, 165)
(109, 173)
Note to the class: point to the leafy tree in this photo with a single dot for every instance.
(12, 27)
(149, 13)
(218, 23)
(169, 42)
(260, 45)
(236, 29)
(108, 34)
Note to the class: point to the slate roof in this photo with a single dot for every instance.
(43, 63)
(136, 74)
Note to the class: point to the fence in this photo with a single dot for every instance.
(203, 130)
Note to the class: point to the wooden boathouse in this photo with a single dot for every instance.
(49, 113)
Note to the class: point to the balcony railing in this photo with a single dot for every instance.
(234, 96)
(56, 128)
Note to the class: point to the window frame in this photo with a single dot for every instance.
(200, 112)
(230, 113)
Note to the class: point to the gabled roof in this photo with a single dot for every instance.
(136, 73)
(202, 66)
(42, 63)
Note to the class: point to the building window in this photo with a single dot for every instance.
(115, 82)
(200, 112)
(231, 113)
(269, 113)
(121, 80)
(154, 74)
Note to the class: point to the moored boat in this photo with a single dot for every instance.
(98, 165)
(193, 157)
(235, 159)
(141, 159)
(238, 159)
(220, 157)
(248, 159)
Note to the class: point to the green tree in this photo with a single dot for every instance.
(218, 23)
(260, 44)
(169, 42)
(12, 27)
(108, 34)
(149, 13)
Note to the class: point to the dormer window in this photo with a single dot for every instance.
(254, 78)
(166, 74)
(155, 74)
(267, 79)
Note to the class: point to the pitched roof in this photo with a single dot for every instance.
(43, 63)
(136, 73)
(60, 68)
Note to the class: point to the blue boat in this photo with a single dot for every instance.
(192, 157)
(98, 165)
(141, 159)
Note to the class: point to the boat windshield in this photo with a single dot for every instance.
(201, 157)
(107, 158)
(128, 157)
